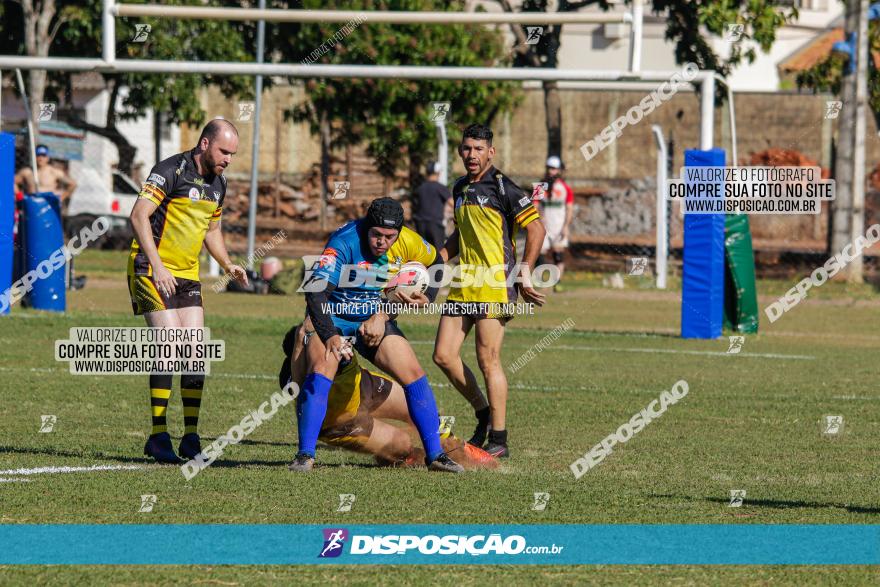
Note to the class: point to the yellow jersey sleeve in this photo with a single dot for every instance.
(415, 248)
(218, 213)
(516, 203)
(157, 184)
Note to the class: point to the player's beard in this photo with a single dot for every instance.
(211, 165)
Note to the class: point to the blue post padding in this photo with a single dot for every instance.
(702, 295)
(44, 237)
(7, 212)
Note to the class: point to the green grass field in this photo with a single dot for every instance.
(750, 421)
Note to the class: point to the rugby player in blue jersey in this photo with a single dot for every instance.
(344, 304)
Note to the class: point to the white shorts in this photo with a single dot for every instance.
(553, 240)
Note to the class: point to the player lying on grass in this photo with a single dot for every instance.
(358, 398)
(343, 300)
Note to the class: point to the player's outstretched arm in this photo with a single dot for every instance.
(535, 232)
(217, 248)
(433, 289)
(450, 249)
(317, 304)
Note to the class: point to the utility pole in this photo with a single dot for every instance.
(857, 226)
(842, 205)
(255, 143)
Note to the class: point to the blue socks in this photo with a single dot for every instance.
(423, 411)
(311, 407)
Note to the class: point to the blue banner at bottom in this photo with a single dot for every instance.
(684, 544)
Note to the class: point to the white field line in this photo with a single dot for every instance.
(525, 387)
(15, 480)
(829, 335)
(31, 370)
(686, 352)
(244, 376)
(667, 351)
(65, 371)
(52, 470)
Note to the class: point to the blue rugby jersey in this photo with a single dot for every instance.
(357, 274)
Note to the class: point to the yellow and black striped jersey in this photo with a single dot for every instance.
(187, 203)
(487, 215)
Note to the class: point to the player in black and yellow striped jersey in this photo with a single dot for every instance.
(489, 210)
(179, 209)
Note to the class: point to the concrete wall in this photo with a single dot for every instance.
(763, 120)
(99, 154)
(296, 150)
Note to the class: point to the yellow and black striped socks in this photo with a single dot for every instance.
(160, 391)
(191, 386)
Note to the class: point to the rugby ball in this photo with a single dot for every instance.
(410, 279)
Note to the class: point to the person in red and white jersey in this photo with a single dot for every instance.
(556, 207)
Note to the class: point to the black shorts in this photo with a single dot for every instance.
(369, 353)
(145, 297)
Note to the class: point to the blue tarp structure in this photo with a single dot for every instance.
(43, 238)
(702, 295)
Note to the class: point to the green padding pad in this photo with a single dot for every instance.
(740, 292)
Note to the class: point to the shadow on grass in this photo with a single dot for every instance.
(53, 452)
(228, 463)
(778, 503)
(98, 455)
(787, 504)
(291, 445)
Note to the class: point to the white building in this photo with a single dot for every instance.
(99, 155)
(606, 46)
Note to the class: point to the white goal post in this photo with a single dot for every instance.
(109, 64)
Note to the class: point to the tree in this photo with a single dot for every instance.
(393, 117)
(41, 21)
(827, 74)
(545, 53)
(687, 22)
(688, 19)
(836, 73)
(77, 31)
